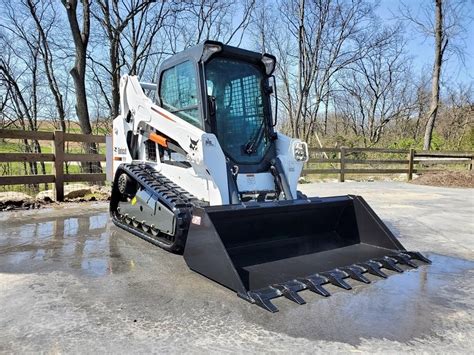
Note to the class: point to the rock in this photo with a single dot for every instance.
(46, 195)
(70, 192)
(105, 190)
(76, 190)
(14, 198)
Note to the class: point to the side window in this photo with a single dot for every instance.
(178, 92)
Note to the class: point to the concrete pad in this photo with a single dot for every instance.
(70, 281)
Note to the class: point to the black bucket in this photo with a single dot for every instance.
(259, 250)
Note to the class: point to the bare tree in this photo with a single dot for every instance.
(114, 17)
(376, 87)
(456, 115)
(38, 14)
(222, 20)
(140, 35)
(440, 47)
(447, 28)
(318, 39)
(24, 98)
(80, 36)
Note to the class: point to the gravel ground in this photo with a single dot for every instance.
(70, 281)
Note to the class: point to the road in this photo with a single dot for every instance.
(70, 281)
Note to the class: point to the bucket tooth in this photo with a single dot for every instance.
(314, 283)
(373, 268)
(290, 290)
(404, 259)
(263, 300)
(355, 272)
(336, 278)
(417, 255)
(389, 264)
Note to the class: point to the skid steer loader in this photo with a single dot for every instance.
(201, 171)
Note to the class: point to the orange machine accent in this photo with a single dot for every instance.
(158, 139)
(162, 114)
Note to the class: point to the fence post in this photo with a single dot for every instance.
(59, 165)
(342, 157)
(411, 158)
(469, 167)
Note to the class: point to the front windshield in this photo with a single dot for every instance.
(240, 117)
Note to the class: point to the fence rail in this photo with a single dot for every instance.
(59, 157)
(416, 161)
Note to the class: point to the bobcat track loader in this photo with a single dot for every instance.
(201, 171)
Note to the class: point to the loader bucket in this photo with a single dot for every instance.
(273, 249)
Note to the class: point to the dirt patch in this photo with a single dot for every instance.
(12, 200)
(446, 179)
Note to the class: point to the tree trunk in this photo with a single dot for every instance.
(78, 73)
(439, 49)
(115, 66)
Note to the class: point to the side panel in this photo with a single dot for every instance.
(188, 180)
(215, 166)
(121, 154)
(292, 168)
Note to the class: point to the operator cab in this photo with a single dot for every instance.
(224, 90)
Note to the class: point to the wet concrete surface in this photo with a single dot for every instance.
(70, 281)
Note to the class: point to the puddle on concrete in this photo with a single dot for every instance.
(403, 307)
(82, 243)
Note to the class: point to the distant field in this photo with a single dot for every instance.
(16, 145)
(72, 127)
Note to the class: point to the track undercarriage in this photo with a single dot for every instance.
(149, 205)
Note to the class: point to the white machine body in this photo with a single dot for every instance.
(205, 176)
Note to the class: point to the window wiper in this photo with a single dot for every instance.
(254, 142)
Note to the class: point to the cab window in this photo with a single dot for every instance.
(178, 92)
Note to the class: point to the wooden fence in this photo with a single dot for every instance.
(59, 157)
(414, 161)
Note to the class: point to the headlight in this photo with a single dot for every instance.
(300, 151)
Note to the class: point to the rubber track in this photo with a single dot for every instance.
(174, 197)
